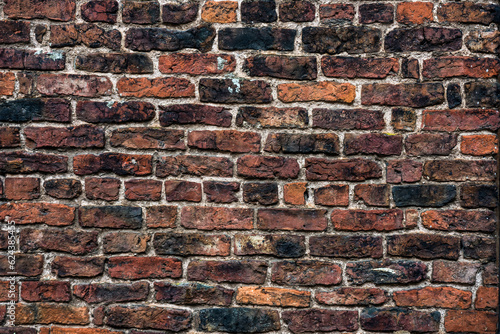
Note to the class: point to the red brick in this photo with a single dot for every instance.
(21, 162)
(88, 34)
(129, 267)
(9, 137)
(306, 272)
(30, 314)
(415, 95)
(460, 120)
(9, 292)
(266, 167)
(82, 136)
(25, 188)
(225, 140)
(38, 213)
(178, 190)
(372, 194)
(470, 67)
(105, 188)
(63, 10)
(216, 218)
(118, 163)
(352, 296)
(45, 291)
(459, 220)
(454, 272)
(320, 169)
(326, 91)
(143, 138)
(295, 193)
(67, 241)
(414, 12)
(196, 165)
(479, 145)
(148, 317)
(161, 216)
(107, 292)
(460, 170)
(321, 320)
(249, 272)
(143, 190)
(292, 219)
(367, 220)
(73, 84)
(441, 297)
(221, 192)
(117, 112)
(332, 195)
(399, 171)
(373, 143)
(419, 144)
(125, 242)
(273, 296)
(100, 11)
(159, 87)
(336, 13)
(64, 266)
(196, 64)
(7, 83)
(354, 67)
(486, 298)
(470, 321)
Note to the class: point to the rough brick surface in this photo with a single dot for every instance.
(249, 166)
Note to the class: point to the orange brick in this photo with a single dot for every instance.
(7, 83)
(294, 193)
(219, 11)
(479, 145)
(445, 297)
(487, 298)
(273, 296)
(317, 91)
(414, 12)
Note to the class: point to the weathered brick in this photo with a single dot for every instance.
(459, 220)
(219, 11)
(21, 188)
(373, 143)
(470, 321)
(327, 143)
(261, 193)
(386, 272)
(124, 242)
(423, 195)
(403, 171)
(267, 167)
(320, 169)
(348, 119)
(353, 40)
(352, 296)
(143, 190)
(184, 244)
(453, 95)
(479, 145)
(410, 95)
(234, 91)
(88, 34)
(376, 13)
(423, 39)
(419, 144)
(179, 190)
(238, 320)
(461, 120)
(306, 272)
(221, 192)
(454, 272)
(272, 117)
(353, 67)
(63, 10)
(410, 68)
(468, 12)
(336, 13)
(326, 91)
(273, 296)
(320, 320)
(148, 317)
(38, 213)
(196, 64)
(179, 13)
(198, 165)
(8, 83)
(148, 138)
(399, 319)
(367, 220)
(216, 218)
(490, 274)
(151, 267)
(110, 216)
(482, 94)
(460, 170)
(161, 216)
(291, 219)
(486, 298)
(46, 291)
(256, 39)
(295, 68)
(295, 193)
(471, 67)
(424, 246)
(14, 32)
(100, 11)
(81, 136)
(372, 194)
(441, 297)
(487, 41)
(22, 162)
(132, 63)
(32, 60)
(64, 266)
(162, 88)
(232, 271)
(478, 195)
(28, 265)
(68, 241)
(44, 313)
(346, 246)
(278, 245)
(414, 12)
(297, 11)
(114, 112)
(141, 12)
(194, 114)
(479, 248)
(109, 292)
(63, 188)
(225, 140)
(253, 11)
(118, 163)
(73, 84)
(9, 137)
(332, 195)
(192, 294)
(105, 188)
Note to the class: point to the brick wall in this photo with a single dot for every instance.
(249, 166)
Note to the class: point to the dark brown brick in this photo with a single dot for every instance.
(346, 246)
(386, 272)
(233, 271)
(424, 246)
(306, 272)
(320, 169)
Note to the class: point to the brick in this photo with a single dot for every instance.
(14, 32)
(410, 68)
(479, 145)
(295, 193)
(28, 265)
(182, 13)
(468, 12)
(40, 31)
(141, 12)
(353, 67)
(306, 273)
(225, 140)
(461, 120)
(21, 162)
(28, 9)
(273, 296)
(63, 188)
(320, 320)
(23, 110)
(430, 144)
(320, 169)
(348, 119)
(297, 11)
(260, 193)
(453, 95)
(5, 290)
(29, 314)
(82, 136)
(487, 298)
(482, 94)
(326, 91)
(353, 40)
(235, 91)
(130, 267)
(32, 60)
(372, 194)
(73, 84)
(178, 190)
(114, 112)
(267, 167)
(147, 317)
(414, 12)
(161, 39)
(52, 214)
(124, 242)
(184, 244)
(486, 41)
(294, 68)
(8, 83)
(327, 143)
(221, 192)
(423, 39)
(238, 320)
(158, 87)
(471, 67)
(68, 241)
(424, 246)
(110, 216)
(147, 138)
(376, 13)
(219, 11)
(332, 195)
(118, 163)
(194, 165)
(272, 117)
(470, 320)
(9, 137)
(478, 195)
(105, 188)
(161, 216)
(25, 188)
(336, 13)
(291, 219)
(479, 248)
(409, 95)
(266, 38)
(143, 190)
(216, 218)
(386, 272)
(459, 220)
(403, 171)
(114, 63)
(194, 114)
(396, 319)
(46, 291)
(346, 246)
(64, 266)
(253, 11)
(441, 297)
(196, 64)
(17, 330)
(454, 272)
(490, 274)
(232, 271)
(367, 220)
(352, 296)
(460, 170)
(108, 292)
(424, 195)
(278, 245)
(373, 143)
(88, 34)
(100, 11)
(192, 294)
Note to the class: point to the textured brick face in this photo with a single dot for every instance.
(250, 166)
